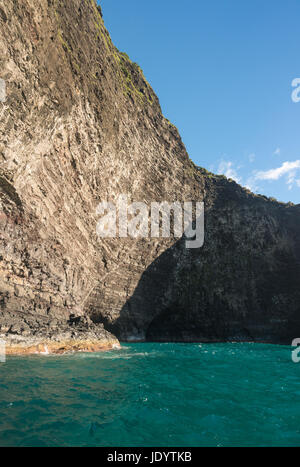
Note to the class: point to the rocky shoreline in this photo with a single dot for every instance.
(26, 337)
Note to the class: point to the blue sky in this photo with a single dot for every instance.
(223, 71)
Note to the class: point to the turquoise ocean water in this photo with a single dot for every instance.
(153, 395)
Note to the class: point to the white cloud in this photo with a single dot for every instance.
(289, 171)
(291, 179)
(227, 168)
(277, 152)
(251, 184)
(287, 168)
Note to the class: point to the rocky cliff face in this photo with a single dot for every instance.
(81, 125)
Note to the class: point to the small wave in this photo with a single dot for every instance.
(113, 356)
(125, 356)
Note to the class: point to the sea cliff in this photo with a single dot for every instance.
(81, 124)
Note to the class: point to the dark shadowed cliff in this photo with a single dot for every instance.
(81, 125)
